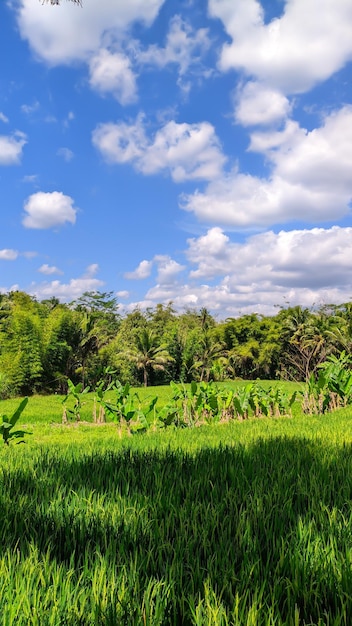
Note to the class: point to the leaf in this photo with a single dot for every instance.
(71, 386)
(19, 433)
(18, 411)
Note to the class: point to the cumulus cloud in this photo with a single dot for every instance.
(256, 103)
(49, 269)
(187, 151)
(184, 47)
(112, 73)
(48, 210)
(67, 292)
(3, 118)
(224, 302)
(292, 52)
(65, 34)
(142, 271)
(11, 148)
(310, 179)
(123, 294)
(304, 267)
(168, 269)
(7, 254)
(299, 258)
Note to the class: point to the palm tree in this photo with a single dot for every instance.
(88, 342)
(310, 342)
(210, 351)
(148, 354)
(341, 330)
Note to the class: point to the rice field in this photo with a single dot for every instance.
(233, 524)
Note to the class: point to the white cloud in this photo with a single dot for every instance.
(28, 109)
(142, 271)
(322, 160)
(67, 292)
(187, 151)
(299, 258)
(67, 33)
(225, 302)
(168, 269)
(268, 141)
(11, 148)
(66, 154)
(269, 269)
(256, 103)
(14, 287)
(310, 180)
(307, 44)
(49, 269)
(112, 73)
(3, 118)
(123, 294)
(91, 270)
(8, 255)
(47, 210)
(184, 47)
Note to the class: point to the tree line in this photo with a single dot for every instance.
(43, 344)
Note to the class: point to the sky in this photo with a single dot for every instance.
(193, 151)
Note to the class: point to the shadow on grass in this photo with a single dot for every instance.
(271, 521)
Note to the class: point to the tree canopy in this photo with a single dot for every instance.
(42, 344)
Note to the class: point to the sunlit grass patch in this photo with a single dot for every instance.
(236, 523)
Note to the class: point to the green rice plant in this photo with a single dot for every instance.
(213, 526)
(8, 424)
(209, 611)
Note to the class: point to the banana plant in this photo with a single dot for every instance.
(226, 410)
(75, 392)
(241, 401)
(6, 428)
(128, 407)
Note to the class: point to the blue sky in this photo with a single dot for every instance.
(193, 151)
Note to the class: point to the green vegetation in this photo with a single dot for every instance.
(205, 501)
(244, 522)
(8, 424)
(43, 344)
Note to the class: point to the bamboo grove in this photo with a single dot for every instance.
(43, 344)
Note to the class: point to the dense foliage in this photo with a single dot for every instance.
(42, 344)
